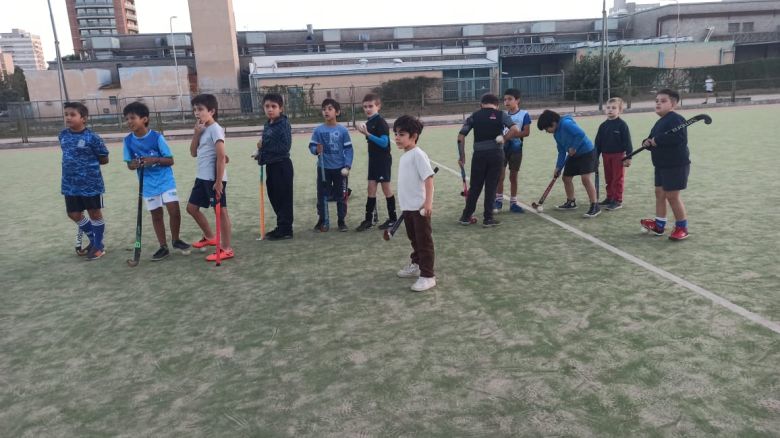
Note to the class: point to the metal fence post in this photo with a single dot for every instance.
(575, 101)
(160, 128)
(628, 94)
(733, 91)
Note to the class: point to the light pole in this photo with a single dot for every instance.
(63, 86)
(176, 64)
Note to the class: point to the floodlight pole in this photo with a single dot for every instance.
(176, 64)
(64, 87)
(603, 47)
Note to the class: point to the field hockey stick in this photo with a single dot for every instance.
(218, 213)
(262, 203)
(390, 232)
(465, 192)
(707, 120)
(139, 219)
(325, 213)
(538, 205)
(597, 177)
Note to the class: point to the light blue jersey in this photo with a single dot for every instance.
(521, 119)
(157, 179)
(336, 145)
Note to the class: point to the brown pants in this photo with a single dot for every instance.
(418, 229)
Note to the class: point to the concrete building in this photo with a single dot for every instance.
(25, 49)
(214, 35)
(6, 65)
(100, 18)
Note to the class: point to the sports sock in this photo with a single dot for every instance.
(98, 228)
(681, 224)
(660, 222)
(391, 208)
(370, 206)
(86, 227)
(513, 199)
(499, 196)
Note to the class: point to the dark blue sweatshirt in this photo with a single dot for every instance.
(671, 149)
(277, 139)
(613, 137)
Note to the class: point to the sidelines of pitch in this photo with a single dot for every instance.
(739, 310)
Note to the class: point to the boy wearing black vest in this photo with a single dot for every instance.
(488, 158)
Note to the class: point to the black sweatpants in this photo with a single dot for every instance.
(279, 180)
(485, 170)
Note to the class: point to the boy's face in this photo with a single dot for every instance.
(371, 107)
(203, 114)
(329, 113)
(551, 129)
(272, 109)
(663, 104)
(405, 141)
(511, 103)
(73, 119)
(135, 123)
(612, 110)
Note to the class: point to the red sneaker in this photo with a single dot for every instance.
(679, 233)
(651, 226)
(224, 254)
(203, 242)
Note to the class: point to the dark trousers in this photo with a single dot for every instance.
(485, 171)
(279, 180)
(418, 229)
(333, 187)
(614, 173)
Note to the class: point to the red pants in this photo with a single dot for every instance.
(614, 173)
(418, 229)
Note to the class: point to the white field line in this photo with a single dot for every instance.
(758, 319)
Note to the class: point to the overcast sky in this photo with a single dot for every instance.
(153, 15)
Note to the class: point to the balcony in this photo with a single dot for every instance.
(81, 13)
(748, 38)
(130, 6)
(132, 27)
(131, 16)
(93, 3)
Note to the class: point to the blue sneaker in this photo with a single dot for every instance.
(515, 208)
(498, 205)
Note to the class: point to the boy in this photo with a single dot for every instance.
(148, 149)
(415, 194)
(208, 146)
(613, 142)
(709, 88)
(572, 141)
(331, 143)
(273, 151)
(670, 156)
(488, 124)
(83, 152)
(380, 161)
(513, 151)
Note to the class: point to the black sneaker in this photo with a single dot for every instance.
(570, 204)
(593, 211)
(161, 254)
(606, 201)
(490, 223)
(615, 205)
(386, 225)
(81, 252)
(95, 253)
(465, 220)
(276, 234)
(182, 246)
(318, 226)
(364, 225)
(343, 227)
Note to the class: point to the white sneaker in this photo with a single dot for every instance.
(423, 284)
(409, 271)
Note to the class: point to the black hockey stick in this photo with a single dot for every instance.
(707, 120)
(139, 220)
(390, 232)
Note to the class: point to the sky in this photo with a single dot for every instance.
(153, 15)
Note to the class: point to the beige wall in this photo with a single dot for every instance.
(6, 65)
(688, 54)
(214, 41)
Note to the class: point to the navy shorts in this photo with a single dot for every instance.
(203, 194)
(672, 178)
(379, 168)
(580, 164)
(74, 204)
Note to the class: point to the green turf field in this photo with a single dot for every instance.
(531, 331)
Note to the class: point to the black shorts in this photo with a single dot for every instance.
(74, 204)
(379, 168)
(203, 194)
(580, 164)
(672, 178)
(513, 159)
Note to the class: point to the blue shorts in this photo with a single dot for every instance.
(203, 194)
(672, 178)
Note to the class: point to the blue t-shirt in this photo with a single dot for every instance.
(157, 179)
(80, 166)
(336, 145)
(521, 119)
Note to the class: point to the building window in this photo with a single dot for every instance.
(733, 27)
(747, 27)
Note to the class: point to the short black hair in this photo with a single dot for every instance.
(333, 103)
(78, 106)
(546, 119)
(489, 99)
(275, 98)
(675, 96)
(372, 97)
(207, 100)
(514, 92)
(137, 108)
(409, 124)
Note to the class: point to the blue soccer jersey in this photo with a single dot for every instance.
(80, 166)
(336, 145)
(521, 119)
(157, 179)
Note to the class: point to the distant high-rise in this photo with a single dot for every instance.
(90, 18)
(25, 49)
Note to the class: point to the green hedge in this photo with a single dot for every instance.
(760, 73)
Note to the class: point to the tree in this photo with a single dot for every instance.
(13, 88)
(585, 75)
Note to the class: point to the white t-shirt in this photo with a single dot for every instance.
(207, 152)
(709, 84)
(413, 169)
